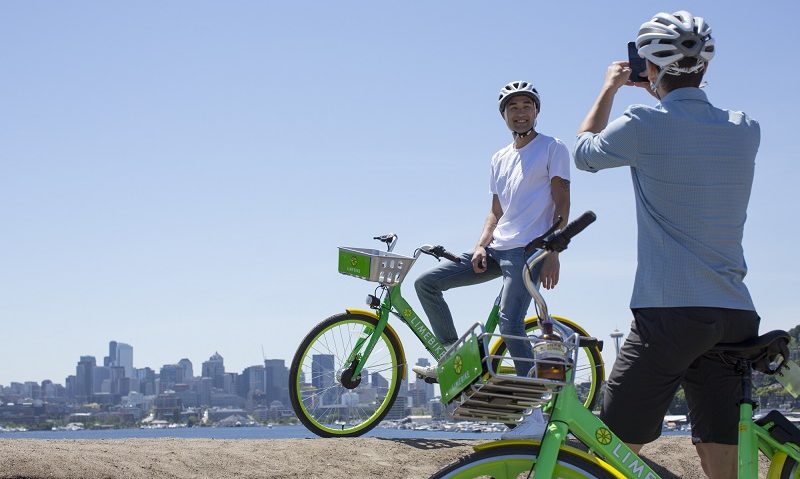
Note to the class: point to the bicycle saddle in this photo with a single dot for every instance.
(762, 351)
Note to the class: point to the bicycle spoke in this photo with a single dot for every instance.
(329, 404)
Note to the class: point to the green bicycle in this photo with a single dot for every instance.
(607, 456)
(347, 371)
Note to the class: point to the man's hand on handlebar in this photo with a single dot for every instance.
(479, 260)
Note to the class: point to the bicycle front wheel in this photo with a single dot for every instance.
(589, 371)
(785, 467)
(516, 461)
(326, 397)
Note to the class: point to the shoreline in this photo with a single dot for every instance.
(345, 458)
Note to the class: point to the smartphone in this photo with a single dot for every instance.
(638, 64)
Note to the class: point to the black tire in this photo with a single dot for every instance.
(516, 461)
(326, 403)
(589, 372)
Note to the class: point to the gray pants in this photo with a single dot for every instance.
(514, 298)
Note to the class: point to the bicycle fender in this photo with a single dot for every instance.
(572, 324)
(402, 351)
(532, 319)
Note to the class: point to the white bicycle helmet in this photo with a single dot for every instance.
(518, 88)
(669, 38)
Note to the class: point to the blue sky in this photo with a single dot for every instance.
(178, 175)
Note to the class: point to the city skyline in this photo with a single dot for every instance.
(129, 368)
(118, 394)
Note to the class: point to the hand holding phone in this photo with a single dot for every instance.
(638, 64)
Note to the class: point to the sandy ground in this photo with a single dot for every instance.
(359, 458)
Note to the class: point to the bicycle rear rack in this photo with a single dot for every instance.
(489, 392)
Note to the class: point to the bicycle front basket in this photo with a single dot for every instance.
(374, 265)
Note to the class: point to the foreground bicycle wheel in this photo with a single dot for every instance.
(589, 372)
(515, 461)
(326, 399)
(784, 467)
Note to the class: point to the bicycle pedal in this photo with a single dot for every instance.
(428, 379)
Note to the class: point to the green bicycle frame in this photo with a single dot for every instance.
(394, 301)
(747, 453)
(754, 438)
(569, 415)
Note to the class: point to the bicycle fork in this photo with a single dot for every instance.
(366, 342)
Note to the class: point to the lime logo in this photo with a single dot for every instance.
(458, 364)
(603, 436)
(353, 261)
(408, 313)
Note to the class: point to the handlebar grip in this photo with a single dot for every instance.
(440, 252)
(578, 225)
(450, 256)
(560, 240)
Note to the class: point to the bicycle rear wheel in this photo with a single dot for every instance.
(589, 372)
(325, 396)
(515, 461)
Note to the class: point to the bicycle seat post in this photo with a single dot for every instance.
(744, 368)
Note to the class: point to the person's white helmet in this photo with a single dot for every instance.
(669, 38)
(518, 88)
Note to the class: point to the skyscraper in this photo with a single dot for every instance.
(120, 354)
(380, 384)
(422, 385)
(147, 381)
(188, 370)
(322, 377)
(169, 376)
(101, 379)
(124, 358)
(277, 381)
(84, 374)
(112, 354)
(251, 381)
(214, 368)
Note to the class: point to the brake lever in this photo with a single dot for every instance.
(541, 241)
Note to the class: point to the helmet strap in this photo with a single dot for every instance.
(654, 85)
(523, 135)
(527, 133)
(674, 69)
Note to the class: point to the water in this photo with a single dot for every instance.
(275, 432)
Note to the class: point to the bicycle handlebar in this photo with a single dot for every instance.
(390, 240)
(545, 245)
(438, 252)
(559, 241)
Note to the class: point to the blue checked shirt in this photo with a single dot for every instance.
(692, 169)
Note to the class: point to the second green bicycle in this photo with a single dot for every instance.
(347, 372)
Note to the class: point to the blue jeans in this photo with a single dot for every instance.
(514, 298)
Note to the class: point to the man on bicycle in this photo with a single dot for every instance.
(529, 181)
(692, 169)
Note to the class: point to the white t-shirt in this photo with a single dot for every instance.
(521, 180)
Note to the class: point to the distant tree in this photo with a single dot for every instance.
(678, 404)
